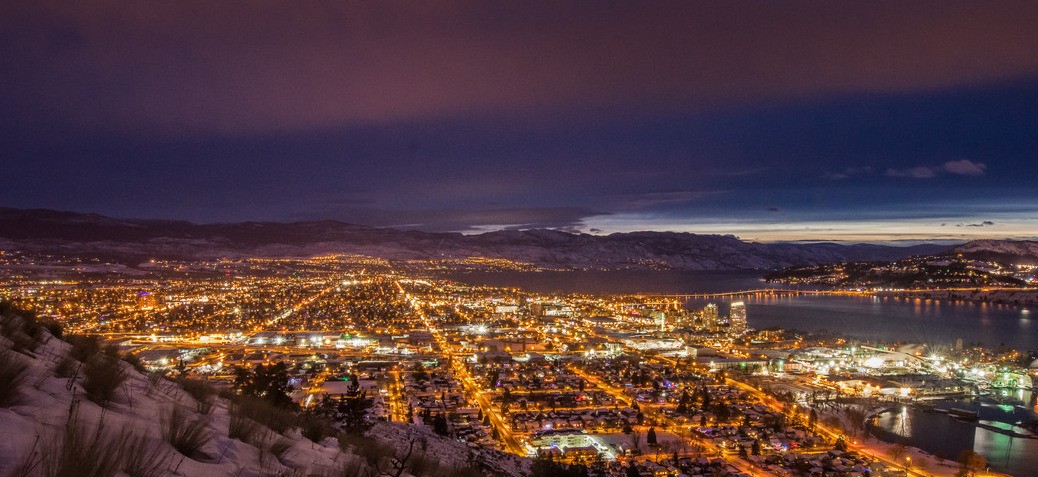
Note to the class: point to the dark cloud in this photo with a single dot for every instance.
(206, 67)
(452, 220)
(467, 115)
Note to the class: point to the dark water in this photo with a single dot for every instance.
(936, 432)
(618, 281)
(892, 319)
(883, 319)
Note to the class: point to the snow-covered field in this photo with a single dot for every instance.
(45, 405)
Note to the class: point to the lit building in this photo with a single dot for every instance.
(737, 319)
(711, 320)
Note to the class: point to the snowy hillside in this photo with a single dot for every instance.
(51, 424)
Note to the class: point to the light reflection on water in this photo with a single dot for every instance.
(937, 432)
(893, 319)
(880, 318)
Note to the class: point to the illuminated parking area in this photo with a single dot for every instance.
(571, 445)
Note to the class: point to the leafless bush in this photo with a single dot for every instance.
(78, 451)
(12, 374)
(23, 333)
(203, 392)
(83, 347)
(145, 457)
(102, 376)
(372, 450)
(154, 380)
(279, 447)
(315, 428)
(66, 367)
(135, 361)
(277, 419)
(244, 429)
(185, 434)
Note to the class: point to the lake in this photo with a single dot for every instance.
(941, 433)
(882, 319)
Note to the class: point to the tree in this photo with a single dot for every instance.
(650, 437)
(897, 452)
(627, 428)
(632, 470)
(971, 463)
(268, 382)
(440, 425)
(840, 445)
(352, 408)
(756, 448)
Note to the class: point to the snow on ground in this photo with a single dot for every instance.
(45, 401)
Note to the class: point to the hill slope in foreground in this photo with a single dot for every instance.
(51, 425)
(132, 241)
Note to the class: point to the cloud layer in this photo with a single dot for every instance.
(963, 167)
(203, 67)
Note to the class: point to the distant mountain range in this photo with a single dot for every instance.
(980, 263)
(125, 240)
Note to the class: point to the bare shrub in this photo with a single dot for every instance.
(315, 428)
(135, 361)
(145, 457)
(102, 376)
(279, 447)
(203, 392)
(12, 374)
(22, 332)
(78, 451)
(277, 419)
(185, 434)
(373, 451)
(244, 429)
(66, 367)
(83, 347)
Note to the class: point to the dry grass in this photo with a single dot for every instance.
(244, 429)
(277, 419)
(187, 435)
(78, 451)
(66, 367)
(102, 376)
(12, 374)
(83, 347)
(203, 392)
(145, 457)
(372, 450)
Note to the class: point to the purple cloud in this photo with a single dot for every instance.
(965, 167)
(920, 172)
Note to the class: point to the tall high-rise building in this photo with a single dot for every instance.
(711, 320)
(737, 319)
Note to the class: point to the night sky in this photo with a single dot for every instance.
(770, 120)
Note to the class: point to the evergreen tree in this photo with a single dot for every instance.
(650, 437)
(352, 408)
(440, 425)
(267, 382)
